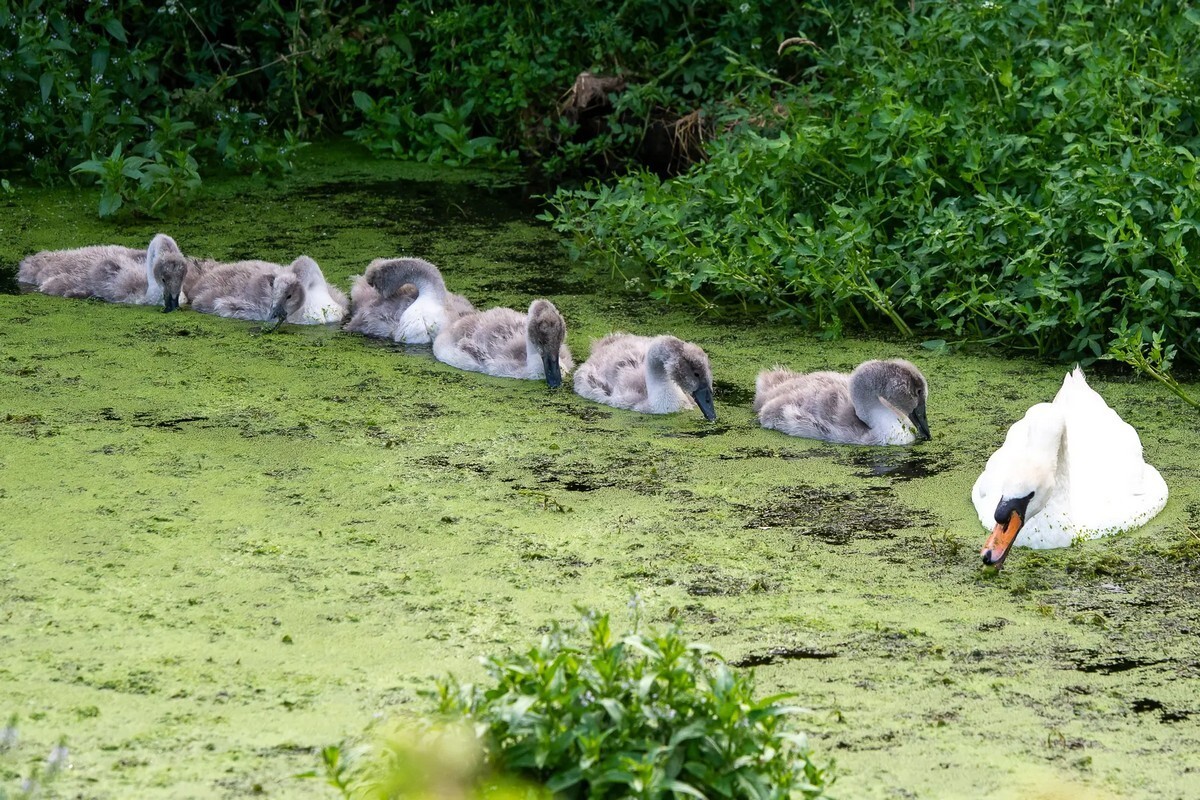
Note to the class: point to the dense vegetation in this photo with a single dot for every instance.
(145, 95)
(1017, 172)
(587, 713)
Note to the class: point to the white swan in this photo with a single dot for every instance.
(403, 299)
(880, 402)
(1070, 469)
(657, 375)
(507, 343)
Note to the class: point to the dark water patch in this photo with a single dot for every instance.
(1166, 715)
(1117, 665)
(834, 516)
(430, 204)
(733, 393)
(586, 413)
(146, 420)
(777, 654)
(711, 430)
(898, 463)
(10, 285)
(743, 453)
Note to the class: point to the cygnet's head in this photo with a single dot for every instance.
(307, 271)
(546, 331)
(687, 366)
(897, 385)
(390, 275)
(168, 266)
(287, 297)
(1030, 482)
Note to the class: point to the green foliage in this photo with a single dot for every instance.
(420, 762)
(457, 82)
(1015, 173)
(591, 714)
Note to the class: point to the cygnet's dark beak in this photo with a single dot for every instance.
(552, 369)
(1010, 516)
(277, 318)
(704, 399)
(918, 418)
(170, 302)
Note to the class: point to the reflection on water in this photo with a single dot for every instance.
(898, 463)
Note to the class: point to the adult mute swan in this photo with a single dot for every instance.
(507, 343)
(880, 402)
(657, 375)
(1070, 469)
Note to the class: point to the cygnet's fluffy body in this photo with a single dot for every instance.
(254, 290)
(403, 299)
(509, 344)
(658, 375)
(112, 272)
(880, 402)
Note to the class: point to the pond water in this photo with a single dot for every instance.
(223, 550)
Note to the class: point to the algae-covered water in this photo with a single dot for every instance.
(222, 550)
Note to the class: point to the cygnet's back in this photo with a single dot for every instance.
(509, 344)
(657, 375)
(881, 402)
(242, 290)
(403, 299)
(67, 273)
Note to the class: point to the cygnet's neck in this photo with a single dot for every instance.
(533, 358)
(662, 393)
(886, 425)
(154, 289)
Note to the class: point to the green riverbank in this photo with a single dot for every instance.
(222, 550)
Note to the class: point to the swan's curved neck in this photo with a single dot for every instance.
(661, 392)
(533, 357)
(154, 289)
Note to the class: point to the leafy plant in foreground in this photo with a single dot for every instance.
(592, 714)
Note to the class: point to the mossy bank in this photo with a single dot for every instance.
(224, 549)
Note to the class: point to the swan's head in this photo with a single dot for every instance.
(307, 271)
(388, 276)
(287, 297)
(546, 331)
(167, 266)
(894, 387)
(686, 365)
(1029, 481)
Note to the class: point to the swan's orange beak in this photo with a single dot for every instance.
(995, 549)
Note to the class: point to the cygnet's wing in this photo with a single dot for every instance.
(615, 373)
(120, 280)
(72, 266)
(375, 315)
(816, 405)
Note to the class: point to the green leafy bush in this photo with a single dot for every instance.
(591, 714)
(452, 82)
(1019, 173)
